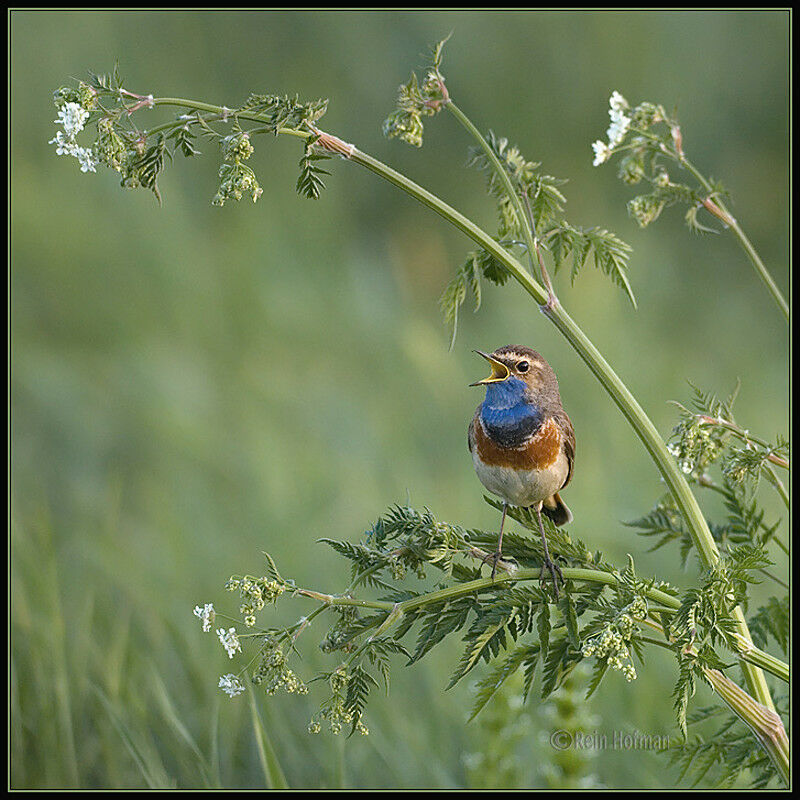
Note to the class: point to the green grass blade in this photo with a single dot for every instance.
(171, 716)
(152, 769)
(273, 774)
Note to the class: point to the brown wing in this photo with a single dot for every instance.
(569, 442)
(471, 429)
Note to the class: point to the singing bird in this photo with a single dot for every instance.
(522, 441)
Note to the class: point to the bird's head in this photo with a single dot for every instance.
(519, 374)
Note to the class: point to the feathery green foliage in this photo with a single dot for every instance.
(605, 613)
(512, 623)
(533, 190)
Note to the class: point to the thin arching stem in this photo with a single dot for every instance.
(718, 208)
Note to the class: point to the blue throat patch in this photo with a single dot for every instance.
(506, 415)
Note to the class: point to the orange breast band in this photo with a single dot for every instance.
(540, 453)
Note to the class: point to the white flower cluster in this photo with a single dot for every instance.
(230, 641)
(207, 615)
(231, 685)
(73, 117)
(620, 123)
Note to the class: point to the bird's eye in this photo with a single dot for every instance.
(523, 366)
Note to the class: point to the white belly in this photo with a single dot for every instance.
(522, 487)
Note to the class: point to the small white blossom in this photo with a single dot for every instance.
(86, 159)
(618, 128)
(602, 152)
(617, 102)
(231, 685)
(230, 641)
(64, 145)
(206, 614)
(72, 116)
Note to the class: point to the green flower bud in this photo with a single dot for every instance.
(646, 114)
(237, 147)
(631, 169)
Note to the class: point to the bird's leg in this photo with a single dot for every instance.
(498, 554)
(548, 563)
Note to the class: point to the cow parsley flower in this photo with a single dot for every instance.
(602, 152)
(86, 159)
(230, 641)
(72, 116)
(617, 102)
(618, 127)
(206, 614)
(64, 145)
(620, 123)
(231, 685)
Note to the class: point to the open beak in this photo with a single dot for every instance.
(499, 370)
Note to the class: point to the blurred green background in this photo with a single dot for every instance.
(191, 385)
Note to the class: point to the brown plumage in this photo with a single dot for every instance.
(539, 453)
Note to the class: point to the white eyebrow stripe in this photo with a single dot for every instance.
(514, 356)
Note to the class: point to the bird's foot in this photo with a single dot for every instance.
(555, 574)
(495, 558)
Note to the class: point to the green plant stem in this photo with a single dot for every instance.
(643, 637)
(764, 722)
(756, 656)
(744, 242)
(747, 650)
(633, 412)
(780, 544)
(339, 600)
(530, 241)
(778, 484)
(220, 112)
(395, 611)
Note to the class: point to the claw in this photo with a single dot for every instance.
(494, 558)
(555, 574)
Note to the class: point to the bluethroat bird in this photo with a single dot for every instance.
(522, 441)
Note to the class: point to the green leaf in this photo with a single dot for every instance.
(359, 684)
(772, 619)
(598, 671)
(440, 620)
(683, 691)
(611, 255)
(310, 183)
(561, 660)
(524, 655)
(567, 608)
(543, 626)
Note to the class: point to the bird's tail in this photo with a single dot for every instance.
(555, 508)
